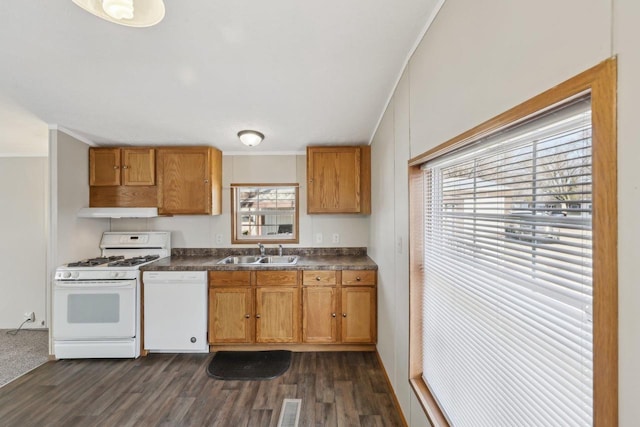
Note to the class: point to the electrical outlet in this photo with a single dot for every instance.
(218, 239)
(30, 316)
(335, 238)
(318, 237)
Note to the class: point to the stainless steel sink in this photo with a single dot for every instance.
(245, 259)
(255, 260)
(287, 260)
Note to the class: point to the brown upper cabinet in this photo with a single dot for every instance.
(189, 181)
(339, 179)
(121, 166)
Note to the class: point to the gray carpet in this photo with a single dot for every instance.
(22, 352)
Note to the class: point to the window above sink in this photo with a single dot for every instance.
(264, 213)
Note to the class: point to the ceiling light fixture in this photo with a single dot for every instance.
(118, 9)
(250, 138)
(132, 13)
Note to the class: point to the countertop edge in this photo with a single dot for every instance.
(207, 263)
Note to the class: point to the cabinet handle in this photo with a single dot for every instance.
(333, 315)
(125, 167)
(357, 278)
(115, 167)
(246, 316)
(318, 278)
(344, 314)
(257, 316)
(206, 181)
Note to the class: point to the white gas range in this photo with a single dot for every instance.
(96, 302)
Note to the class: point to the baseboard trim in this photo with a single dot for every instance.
(396, 402)
(292, 347)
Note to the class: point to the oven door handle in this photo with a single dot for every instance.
(92, 285)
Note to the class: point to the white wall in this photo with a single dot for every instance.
(200, 231)
(626, 37)
(477, 60)
(23, 247)
(22, 133)
(72, 238)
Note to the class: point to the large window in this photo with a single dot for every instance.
(514, 300)
(264, 213)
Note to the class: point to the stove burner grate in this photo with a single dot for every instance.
(130, 262)
(92, 262)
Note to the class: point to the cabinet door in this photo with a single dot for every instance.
(277, 315)
(230, 315)
(184, 186)
(319, 324)
(138, 166)
(104, 166)
(338, 182)
(358, 315)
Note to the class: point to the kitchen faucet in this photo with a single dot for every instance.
(261, 246)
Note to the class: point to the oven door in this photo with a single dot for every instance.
(94, 309)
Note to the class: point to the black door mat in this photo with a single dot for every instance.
(249, 365)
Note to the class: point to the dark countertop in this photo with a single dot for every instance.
(310, 262)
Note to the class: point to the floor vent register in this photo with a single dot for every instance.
(290, 413)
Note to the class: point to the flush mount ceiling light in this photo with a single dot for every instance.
(250, 138)
(132, 13)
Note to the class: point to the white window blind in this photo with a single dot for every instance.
(507, 332)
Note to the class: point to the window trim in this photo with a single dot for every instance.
(600, 81)
(234, 237)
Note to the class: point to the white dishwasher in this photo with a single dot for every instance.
(175, 311)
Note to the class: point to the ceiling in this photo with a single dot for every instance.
(300, 72)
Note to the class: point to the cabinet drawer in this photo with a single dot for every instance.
(229, 278)
(276, 278)
(319, 277)
(358, 277)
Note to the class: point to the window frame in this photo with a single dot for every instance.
(600, 81)
(235, 239)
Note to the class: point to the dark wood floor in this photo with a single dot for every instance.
(337, 389)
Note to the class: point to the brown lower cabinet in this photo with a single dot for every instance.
(358, 315)
(231, 315)
(261, 307)
(277, 315)
(333, 313)
(319, 315)
(310, 307)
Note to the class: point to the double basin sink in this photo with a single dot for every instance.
(260, 260)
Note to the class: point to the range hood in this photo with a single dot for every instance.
(118, 212)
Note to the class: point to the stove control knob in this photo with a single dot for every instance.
(114, 274)
(75, 274)
(66, 274)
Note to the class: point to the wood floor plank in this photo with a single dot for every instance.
(260, 417)
(336, 389)
(372, 421)
(306, 392)
(345, 404)
(325, 415)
